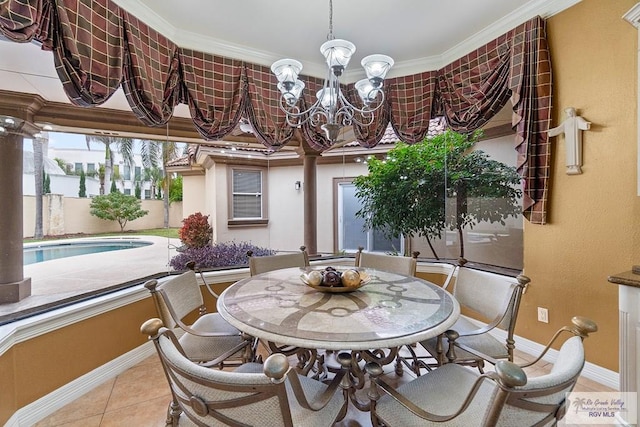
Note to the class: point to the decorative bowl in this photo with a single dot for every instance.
(307, 279)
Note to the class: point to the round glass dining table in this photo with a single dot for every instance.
(390, 310)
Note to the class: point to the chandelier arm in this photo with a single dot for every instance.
(331, 106)
(295, 113)
(365, 111)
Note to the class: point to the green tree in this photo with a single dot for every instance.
(124, 145)
(138, 191)
(153, 154)
(114, 187)
(175, 189)
(82, 192)
(407, 193)
(46, 184)
(38, 170)
(117, 207)
(63, 165)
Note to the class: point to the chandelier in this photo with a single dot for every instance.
(332, 110)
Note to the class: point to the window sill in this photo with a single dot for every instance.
(247, 223)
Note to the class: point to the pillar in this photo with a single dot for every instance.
(13, 285)
(310, 197)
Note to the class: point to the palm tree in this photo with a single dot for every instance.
(124, 145)
(152, 152)
(39, 142)
(155, 176)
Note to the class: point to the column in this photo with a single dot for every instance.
(310, 205)
(13, 285)
(629, 336)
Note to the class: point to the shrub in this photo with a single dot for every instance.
(223, 254)
(195, 231)
(117, 207)
(82, 191)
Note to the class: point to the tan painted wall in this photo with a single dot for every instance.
(593, 228)
(31, 369)
(77, 218)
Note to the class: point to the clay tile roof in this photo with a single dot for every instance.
(436, 127)
(182, 161)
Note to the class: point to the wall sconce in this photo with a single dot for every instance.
(297, 185)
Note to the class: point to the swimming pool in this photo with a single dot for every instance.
(46, 252)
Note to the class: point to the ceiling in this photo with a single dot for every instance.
(419, 34)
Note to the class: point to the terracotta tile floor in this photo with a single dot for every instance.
(139, 397)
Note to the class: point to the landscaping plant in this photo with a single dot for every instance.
(225, 254)
(407, 193)
(117, 207)
(196, 231)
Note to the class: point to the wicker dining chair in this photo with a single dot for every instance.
(493, 297)
(395, 264)
(453, 395)
(209, 340)
(263, 264)
(269, 395)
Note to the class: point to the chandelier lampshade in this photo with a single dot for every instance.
(331, 110)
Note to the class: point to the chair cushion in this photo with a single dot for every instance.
(440, 392)
(484, 343)
(394, 264)
(308, 418)
(567, 366)
(202, 349)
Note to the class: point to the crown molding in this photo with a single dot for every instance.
(633, 16)
(543, 8)
(190, 40)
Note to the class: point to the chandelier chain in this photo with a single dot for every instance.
(330, 35)
(332, 110)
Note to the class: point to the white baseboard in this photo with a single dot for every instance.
(47, 405)
(591, 371)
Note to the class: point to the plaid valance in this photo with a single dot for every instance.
(98, 47)
(24, 20)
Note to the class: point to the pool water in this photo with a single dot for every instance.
(41, 253)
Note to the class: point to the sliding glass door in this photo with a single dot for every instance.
(351, 231)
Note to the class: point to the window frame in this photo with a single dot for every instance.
(263, 220)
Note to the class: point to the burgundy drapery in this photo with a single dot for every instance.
(213, 88)
(25, 20)
(151, 72)
(468, 92)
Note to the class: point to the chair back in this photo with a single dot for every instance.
(494, 297)
(204, 396)
(176, 297)
(395, 264)
(542, 399)
(263, 264)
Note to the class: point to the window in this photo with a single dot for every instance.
(127, 191)
(247, 199)
(351, 232)
(137, 173)
(496, 238)
(127, 173)
(78, 168)
(91, 168)
(147, 194)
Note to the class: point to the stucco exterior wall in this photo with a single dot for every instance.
(193, 195)
(593, 222)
